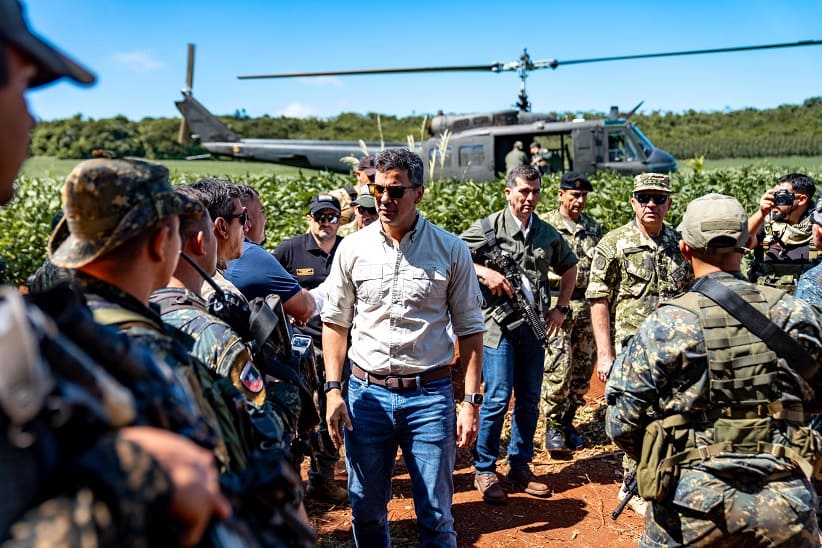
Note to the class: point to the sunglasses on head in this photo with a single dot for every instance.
(326, 218)
(658, 199)
(242, 216)
(367, 210)
(395, 192)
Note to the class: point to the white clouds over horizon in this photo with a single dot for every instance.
(297, 109)
(138, 61)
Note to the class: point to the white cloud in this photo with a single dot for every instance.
(298, 110)
(138, 61)
(323, 81)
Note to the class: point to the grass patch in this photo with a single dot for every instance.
(44, 166)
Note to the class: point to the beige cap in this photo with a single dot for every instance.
(652, 181)
(715, 224)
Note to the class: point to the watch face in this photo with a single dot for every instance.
(475, 399)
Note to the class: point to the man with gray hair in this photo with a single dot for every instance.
(396, 285)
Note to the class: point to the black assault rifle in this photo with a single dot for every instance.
(512, 312)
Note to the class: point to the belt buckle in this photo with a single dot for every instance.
(393, 383)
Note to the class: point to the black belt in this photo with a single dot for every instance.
(401, 382)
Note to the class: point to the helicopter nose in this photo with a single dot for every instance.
(661, 161)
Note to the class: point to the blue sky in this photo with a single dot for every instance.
(138, 51)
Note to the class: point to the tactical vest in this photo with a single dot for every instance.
(217, 398)
(744, 413)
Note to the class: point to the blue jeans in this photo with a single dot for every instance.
(422, 422)
(515, 365)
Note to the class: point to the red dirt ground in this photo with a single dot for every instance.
(577, 514)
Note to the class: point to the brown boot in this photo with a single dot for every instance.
(326, 490)
(525, 480)
(489, 487)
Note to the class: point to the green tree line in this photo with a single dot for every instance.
(788, 130)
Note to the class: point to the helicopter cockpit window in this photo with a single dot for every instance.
(644, 143)
(472, 155)
(620, 149)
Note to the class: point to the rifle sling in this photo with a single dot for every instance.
(776, 339)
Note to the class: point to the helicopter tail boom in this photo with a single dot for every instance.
(203, 124)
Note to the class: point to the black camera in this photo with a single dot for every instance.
(783, 197)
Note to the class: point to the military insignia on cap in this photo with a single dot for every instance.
(251, 378)
(577, 183)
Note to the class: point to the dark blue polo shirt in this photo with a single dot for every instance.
(258, 274)
(306, 261)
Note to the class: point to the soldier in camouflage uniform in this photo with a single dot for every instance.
(634, 268)
(72, 475)
(213, 341)
(727, 406)
(124, 243)
(784, 247)
(569, 358)
(809, 288)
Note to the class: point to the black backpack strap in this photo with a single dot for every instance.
(776, 339)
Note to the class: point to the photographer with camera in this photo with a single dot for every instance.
(783, 244)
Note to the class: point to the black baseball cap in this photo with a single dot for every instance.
(51, 63)
(575, 181)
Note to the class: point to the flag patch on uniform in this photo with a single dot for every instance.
(251, 378)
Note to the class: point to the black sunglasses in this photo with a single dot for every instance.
(395, 192)
(658, 199)
(367, 210)
(326, 218)
(242, 216)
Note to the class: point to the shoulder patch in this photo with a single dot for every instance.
(251, 378)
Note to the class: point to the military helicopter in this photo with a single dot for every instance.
(467, 146)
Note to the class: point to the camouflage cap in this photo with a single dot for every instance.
(365, 200)
(51, 64)
(575, 181)
(715, 224)
(652, 181)
(108, 202)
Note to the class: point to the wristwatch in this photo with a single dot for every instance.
(564, 309)
(474, 399)
(331, 385)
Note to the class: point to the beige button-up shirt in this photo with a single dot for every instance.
(400, 301)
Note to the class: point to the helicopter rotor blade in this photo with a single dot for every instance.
(184, 134)
(554, 63)
(495, 67)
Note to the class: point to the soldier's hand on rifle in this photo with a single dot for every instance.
(195, 497)
(494, 281)
(336, 414)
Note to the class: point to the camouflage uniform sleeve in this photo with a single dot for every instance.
(604, 271)
(563, 257)
(115, 494)
(644, 372)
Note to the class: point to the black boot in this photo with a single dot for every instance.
(573, 439)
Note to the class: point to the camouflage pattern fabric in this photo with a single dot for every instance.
(108, 202)
(185, 409)
(809, 288)
(635, 273)
(570, 356)
(219, 347)
(214, 342)
(733, 496)
(783, 254)
(49, 276)
(131, 509)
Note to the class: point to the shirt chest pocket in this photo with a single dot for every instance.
(368, 280)
(639, 270)
(423, 282)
